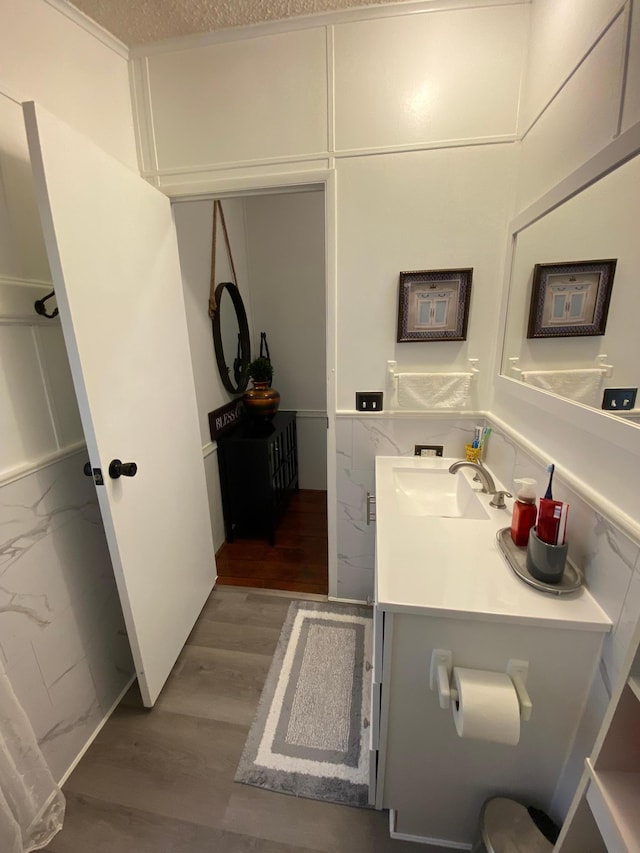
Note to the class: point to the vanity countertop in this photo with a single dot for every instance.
(452, 567)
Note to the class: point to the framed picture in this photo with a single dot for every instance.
(433, 305)
(570, 299)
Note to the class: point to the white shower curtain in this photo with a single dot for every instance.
(31, 804)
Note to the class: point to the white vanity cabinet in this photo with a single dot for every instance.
(435, 781)
(441, 583)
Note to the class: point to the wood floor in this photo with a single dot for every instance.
(298, 560)
(161, 781)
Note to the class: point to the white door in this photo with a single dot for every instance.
(113, 254)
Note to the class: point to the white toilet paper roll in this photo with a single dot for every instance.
(487, 707)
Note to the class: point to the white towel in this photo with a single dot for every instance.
(433, 390)
(582, 386)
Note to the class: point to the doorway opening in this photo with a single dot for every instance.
(278, 242)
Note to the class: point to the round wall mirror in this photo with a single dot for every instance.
(231, 338)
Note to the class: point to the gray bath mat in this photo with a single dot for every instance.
(310, 734)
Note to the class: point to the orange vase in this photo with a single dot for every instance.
(261, 401)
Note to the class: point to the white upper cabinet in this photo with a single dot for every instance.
(430, 77)
(239, 101)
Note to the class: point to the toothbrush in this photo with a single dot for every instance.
(485, 436)
(562, 527)
(548, 494)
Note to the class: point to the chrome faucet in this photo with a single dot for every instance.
(488, 486)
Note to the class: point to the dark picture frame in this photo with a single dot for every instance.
(433, 305)
(570, 299)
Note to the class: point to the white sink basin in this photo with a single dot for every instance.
(434, 491)
(436, 551)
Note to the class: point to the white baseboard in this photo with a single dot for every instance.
(422, 839)
(339, 600)
(95, 733)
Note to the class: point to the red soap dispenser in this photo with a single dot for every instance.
(524, 511)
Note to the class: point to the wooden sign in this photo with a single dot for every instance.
(222, 420)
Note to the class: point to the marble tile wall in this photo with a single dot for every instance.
(62, 636)
(358, 441)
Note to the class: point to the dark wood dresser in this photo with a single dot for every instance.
(258, 464)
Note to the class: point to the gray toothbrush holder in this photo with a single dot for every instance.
(545, 562)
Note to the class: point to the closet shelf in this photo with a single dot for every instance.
(613, 798)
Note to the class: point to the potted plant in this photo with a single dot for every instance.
(261, 401)
(261, 370)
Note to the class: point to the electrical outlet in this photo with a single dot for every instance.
(368, 401)
(428, 450)
(619, 399)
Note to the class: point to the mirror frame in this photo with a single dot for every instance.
(243, 331)
(596, 421)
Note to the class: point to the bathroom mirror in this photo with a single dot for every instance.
(231, 338)
(597, 220)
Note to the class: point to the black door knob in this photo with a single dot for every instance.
(88, 471)
(122, 469)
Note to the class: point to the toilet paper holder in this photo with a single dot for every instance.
(442, 670)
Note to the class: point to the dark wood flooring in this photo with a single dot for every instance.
(161, 781)
(298, 560)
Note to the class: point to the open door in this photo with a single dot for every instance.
(113, 255)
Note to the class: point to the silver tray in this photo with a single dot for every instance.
(516, 557)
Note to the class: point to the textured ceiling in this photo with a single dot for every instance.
(139, 21)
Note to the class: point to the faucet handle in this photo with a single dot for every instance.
(497, 501)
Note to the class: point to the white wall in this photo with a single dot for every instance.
(413, 80)
(62, 637)
(586, 110)
(278, 251)
(286, 253)
(631, 103)
(581, 118)
(561, 33)
(194, 226)
(423, 79)
(39, 417)
(269, 111)
(49, 59)
(420, 210)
